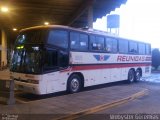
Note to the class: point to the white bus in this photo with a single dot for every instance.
(48, 59)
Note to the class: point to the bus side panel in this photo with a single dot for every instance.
(115, 74)
(89, 77)
(101, 76)
(95, 77)
(106, 76)
(99, 79)
(124, 73)
(146, 71)
(56, 81)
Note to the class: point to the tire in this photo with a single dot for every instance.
(74, 84)
(131, 76)
(138, 76)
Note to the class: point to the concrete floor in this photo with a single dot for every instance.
(54, 106)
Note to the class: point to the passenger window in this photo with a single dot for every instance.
(78, 41)
(123, 46)
(51, 60)
(74, 39)
(111, 45)
(63, 59)
(114, 45)
(141, 48)
(83, 42)
(132, 47)
(108, 44)
(148, 49)
(58, 38)
(96, 43)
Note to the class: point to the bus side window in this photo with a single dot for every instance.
(58, 38)
(96, 43)
(148, 49)
(51, 60)
(83, 39)
(114, 45)
(93, 44)
(133, 48)
(141, 48)
(111, 45)
(63, 59)
(108, 42)
(78, 41)
(74, 40)
(123, 46)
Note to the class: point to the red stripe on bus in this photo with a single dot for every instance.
(94, 67)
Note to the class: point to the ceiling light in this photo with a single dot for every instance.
(4, 9)
(14, 29)
(46, 23)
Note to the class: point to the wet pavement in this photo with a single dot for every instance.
(53, 106)
(59, 106)
(154, 78)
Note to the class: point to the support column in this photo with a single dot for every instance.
(0, 47)
(90, 14)
(3, 48)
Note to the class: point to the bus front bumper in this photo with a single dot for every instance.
(28, 87)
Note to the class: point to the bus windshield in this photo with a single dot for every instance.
(27, 59)
(32, 37)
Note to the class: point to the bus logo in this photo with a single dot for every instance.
(101, 57)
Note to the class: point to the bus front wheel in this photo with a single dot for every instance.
(74, 84)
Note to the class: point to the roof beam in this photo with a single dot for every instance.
(82, 8)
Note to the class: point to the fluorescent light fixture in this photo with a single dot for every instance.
(46, 23)
(4, 9)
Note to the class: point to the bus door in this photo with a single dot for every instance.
(54, 61)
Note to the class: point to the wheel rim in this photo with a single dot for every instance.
(74, 85)
(138, 76)
(131, 76)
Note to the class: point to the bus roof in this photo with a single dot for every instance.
(69, 28)
(84, 30)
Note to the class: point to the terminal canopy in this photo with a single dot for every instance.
(27, 13)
